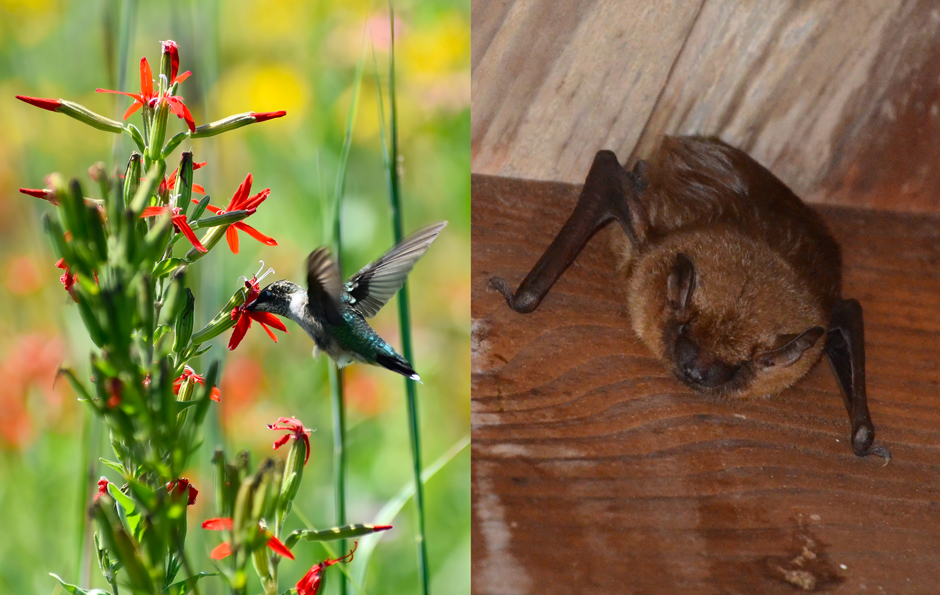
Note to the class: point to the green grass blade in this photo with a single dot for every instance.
(387, 515)
(125, 38)
(390, 159)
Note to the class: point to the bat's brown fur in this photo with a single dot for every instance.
(766, 268)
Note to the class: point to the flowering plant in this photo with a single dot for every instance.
(117, 253)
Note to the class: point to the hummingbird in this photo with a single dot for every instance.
(334, 314)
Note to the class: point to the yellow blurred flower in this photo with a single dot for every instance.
(441, 49)
(260, 89)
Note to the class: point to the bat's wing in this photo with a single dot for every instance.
(371, 288)
(610, 193)
(324, 286)
(845, 349)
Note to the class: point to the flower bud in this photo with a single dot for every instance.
(233, 122)
(184, 183)
(223, 320)
(184, 324)
(76, 111)
(158, 130)
(170, 60)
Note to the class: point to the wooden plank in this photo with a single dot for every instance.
(595, 471)
(486, 19)
(561, 79)
(839, 99)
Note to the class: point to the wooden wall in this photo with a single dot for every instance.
(839, 98)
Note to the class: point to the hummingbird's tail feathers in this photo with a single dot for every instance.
(378, 281)
(398, 364)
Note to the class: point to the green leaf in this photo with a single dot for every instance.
(128, 510)
(200, 207)
(167, 265)
(113, 464)
(186, 585)
(73, 380)
(77, 590)
(138, 138)
(347, 532)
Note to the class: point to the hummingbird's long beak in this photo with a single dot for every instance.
(251, 307)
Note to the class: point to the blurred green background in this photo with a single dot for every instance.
(246, 55)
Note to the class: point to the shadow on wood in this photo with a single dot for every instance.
(594, 470)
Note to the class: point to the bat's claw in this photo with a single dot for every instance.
(880, 451)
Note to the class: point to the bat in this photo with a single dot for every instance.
(732, 281)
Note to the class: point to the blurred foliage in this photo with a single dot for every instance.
(257, 55)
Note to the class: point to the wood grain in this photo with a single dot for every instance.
(558, 79)
(594, 471)
(841, 99)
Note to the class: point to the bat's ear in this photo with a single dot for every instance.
(791, 348)
(681, 284)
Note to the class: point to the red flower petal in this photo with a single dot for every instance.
(267, 330)
(261, 117)
(231, 236)
(279, 548)
(133, 109)
(216, 395)
(281, 441)
(241, 327)
(254, 233)
(240, 195)
(199, 189)
(146, 80)
(222, 524)
(201, 164)
(46, 104)
(269, 319)
(181, 77)
(136, 96)
(153, 212)
(180, 222)
(223, 550)
(255, 201)
(179, 108)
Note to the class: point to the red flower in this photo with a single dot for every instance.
(299, 432)
(225, 548)
(102, 487)
(149, 97)
(189, 373)
(67, 278)
(310, 583)
(181, 486)
(47, 104)
(173, 49)
(179, 222)
(243, 318)
(146, 94)
(242, 201)
(179, 108)
(42, 193)
(114, 389)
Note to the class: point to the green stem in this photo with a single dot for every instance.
(339, 453)
(404, 317)
(336, 375)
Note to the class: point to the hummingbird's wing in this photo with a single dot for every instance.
(378, 281)
(324, 286)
